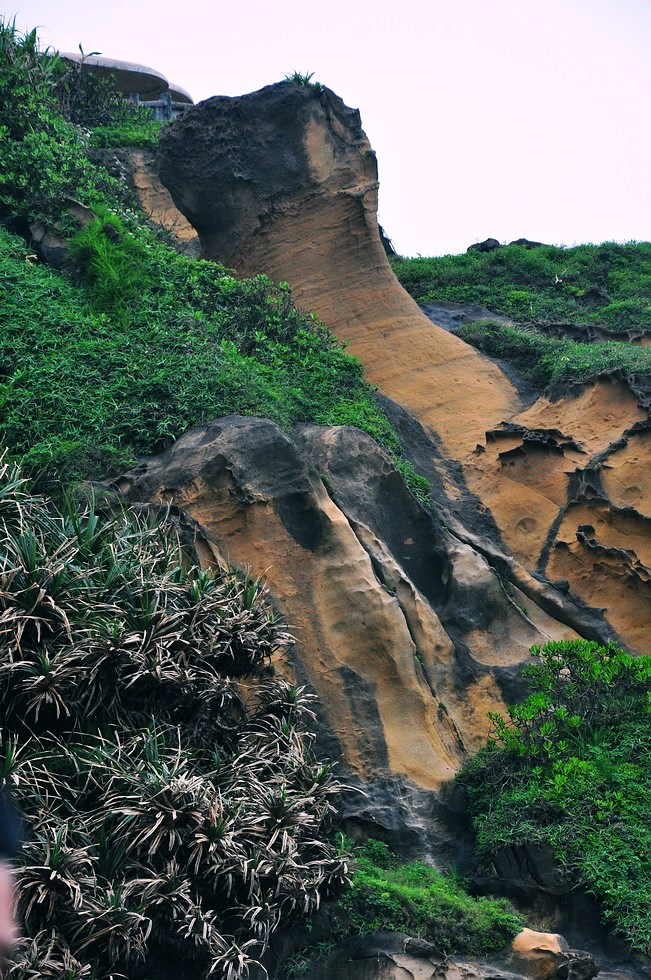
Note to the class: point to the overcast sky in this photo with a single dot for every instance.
(501, 118)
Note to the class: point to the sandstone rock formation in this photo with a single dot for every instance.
(284, 181)
(408, 627)
(139, 169)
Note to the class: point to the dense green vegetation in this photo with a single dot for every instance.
(141, 134)
(414, 898)
(176, 815)
(411, 897)
(542, 284)
(546, 360)
(607, 286)
(571, 767)
(136, 343)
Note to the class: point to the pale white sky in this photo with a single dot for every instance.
(502, 118)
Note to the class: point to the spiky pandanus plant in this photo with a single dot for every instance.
(177, 816)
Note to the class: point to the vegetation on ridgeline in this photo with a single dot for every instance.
(606, 287)
(543, 284)
(570, 767)
(546, 360)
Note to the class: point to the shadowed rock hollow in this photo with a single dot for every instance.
(284, 181)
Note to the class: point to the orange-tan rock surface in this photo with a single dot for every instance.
(408, 634)
(284, 181)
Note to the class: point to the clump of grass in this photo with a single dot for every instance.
(546, 360)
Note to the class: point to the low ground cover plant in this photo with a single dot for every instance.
(570, 767)
(548, 360)
(176, 812)
(546, 283)
(388, 894)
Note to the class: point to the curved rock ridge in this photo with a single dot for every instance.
(408, 634)
(284, 181)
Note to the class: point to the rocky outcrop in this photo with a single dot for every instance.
(394, 956)
(408, 629)
(284, 181)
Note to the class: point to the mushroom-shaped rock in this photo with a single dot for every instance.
(284, 181)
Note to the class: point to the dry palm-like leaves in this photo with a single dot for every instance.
(176, 819)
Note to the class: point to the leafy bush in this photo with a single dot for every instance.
(90, 99)
(177, 815)
(542, 284)
(143, 134)
(44, 158)
(416, 899)
(570, 767)
(546, 360)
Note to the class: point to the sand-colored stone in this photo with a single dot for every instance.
(284, 181)
(156, 201)
(604, 568)
(398, 692)
(626, 474)
(596, 417)
(537, 954)
(287, 185)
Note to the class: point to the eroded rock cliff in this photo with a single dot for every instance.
(284, 181)
(408, 628)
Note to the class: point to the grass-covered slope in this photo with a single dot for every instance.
(133, 343)
(148, 344)
(545, 283)
(571, 767)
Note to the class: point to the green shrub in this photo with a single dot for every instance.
(570, 767)
(44, 157)
(143, 134)
(390, 895)
(177, 815)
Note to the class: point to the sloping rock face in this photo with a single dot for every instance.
(284, 181)
(408, 631)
